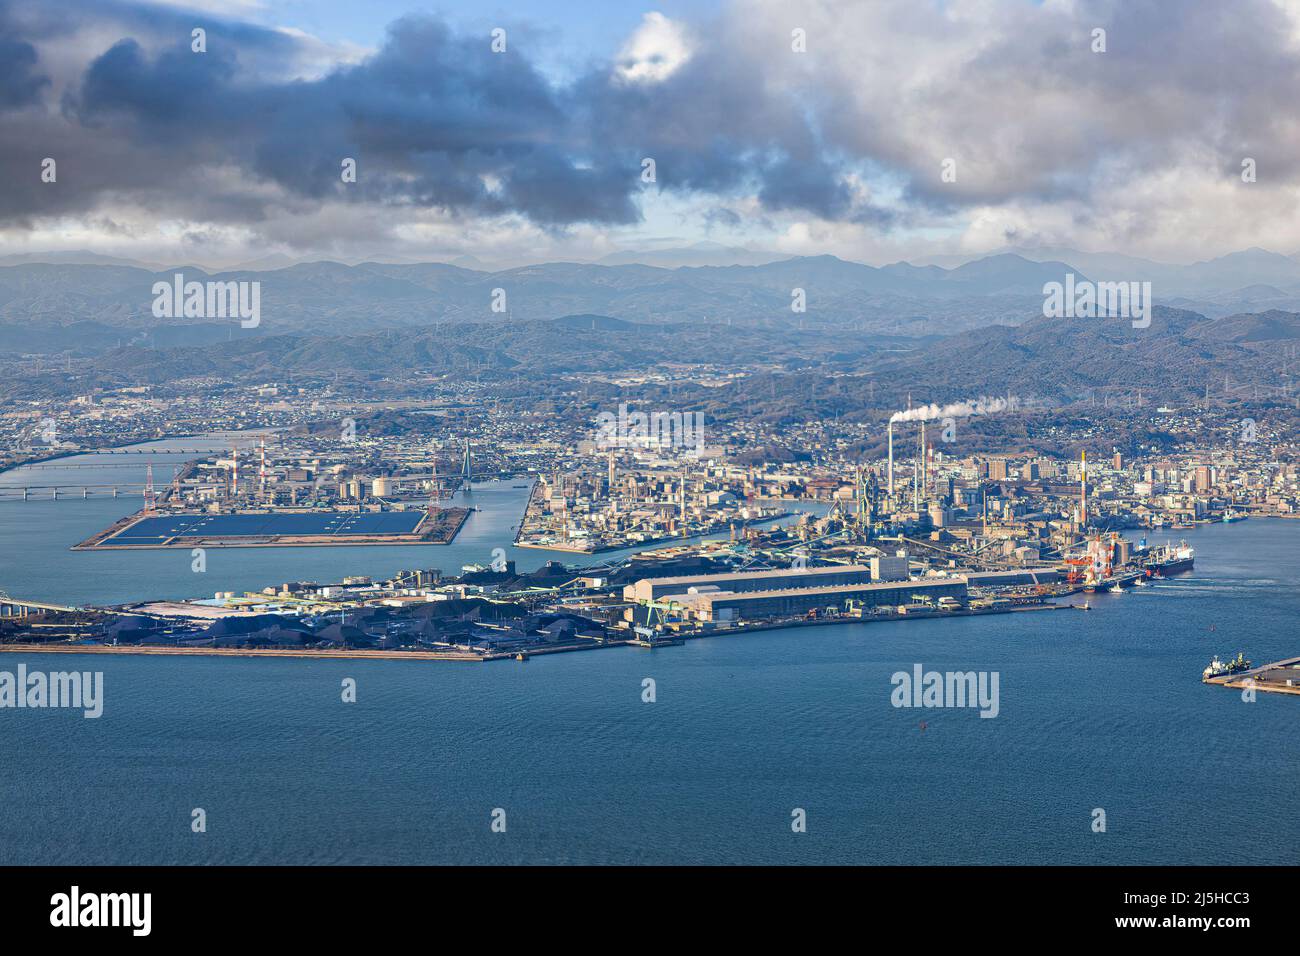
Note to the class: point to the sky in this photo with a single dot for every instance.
(874, 130)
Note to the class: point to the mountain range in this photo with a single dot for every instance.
(337, 298)
(818, 373)
(951, 332)
(98, 303)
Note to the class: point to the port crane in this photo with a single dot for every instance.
(664, 609)
(1095, 563)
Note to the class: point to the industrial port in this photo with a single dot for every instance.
(834, 568)
(668, 543)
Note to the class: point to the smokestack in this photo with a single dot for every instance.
(891, 459)
(1083, 488)
(234, 473)
(916, 470)
(925, 465)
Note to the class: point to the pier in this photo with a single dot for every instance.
(1270, 678)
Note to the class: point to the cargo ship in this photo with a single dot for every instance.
(1220, 668)
(1161, 562)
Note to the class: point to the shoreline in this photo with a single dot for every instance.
(156, 650)
(520, 653)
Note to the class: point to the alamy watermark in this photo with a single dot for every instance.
(38, 689)
(1098, 300)
(657, 430)
(208, 300)
(922, 688)
(75, 908)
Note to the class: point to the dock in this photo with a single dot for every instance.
(1271, 678)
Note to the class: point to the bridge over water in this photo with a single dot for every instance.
(57, 492)
(17, 607)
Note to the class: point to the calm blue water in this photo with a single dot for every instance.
(1103, 709)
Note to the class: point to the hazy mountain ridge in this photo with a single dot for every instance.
(51, 308)
(334, 298)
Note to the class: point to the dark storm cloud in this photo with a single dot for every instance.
(21, 80)
(20, 84)
(433, 119)
(173, 92)
(813, 186)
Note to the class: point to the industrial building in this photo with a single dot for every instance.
(723, 606)
(890, 567)
(651, 589)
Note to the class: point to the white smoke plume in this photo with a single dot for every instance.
(980, 406)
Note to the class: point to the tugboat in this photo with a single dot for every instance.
(1231, 515)
(1218, 668)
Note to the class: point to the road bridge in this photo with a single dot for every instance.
(17, 607)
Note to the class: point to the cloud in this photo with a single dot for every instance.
(434, 119)
(655, 51)
(21, 80)
(20, 84)
(1138, 147)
